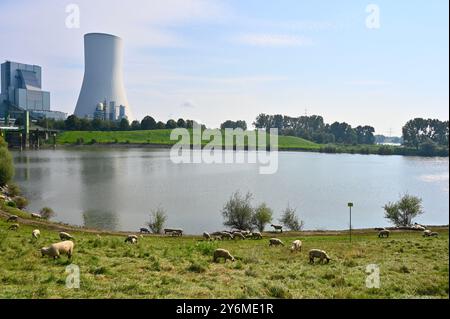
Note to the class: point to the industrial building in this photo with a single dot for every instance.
(102, 94)
(21, 90)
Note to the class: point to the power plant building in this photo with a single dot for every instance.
(21, 90)
(102, 94)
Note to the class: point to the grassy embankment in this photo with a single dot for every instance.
(163, 267)
(286, 143)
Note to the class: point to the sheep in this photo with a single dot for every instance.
(217, 238)
(317, 253)
(257, 235)
(65, 236)
(225, 235)
(12, 218)
(384, 233)
(144, 231)
(207, 236)
(433, 234)
(14, 227)
(427, 233)
(238, 235)
(277, 227)
(36, 233)
(36, 216)
(173, 232)
(55, 250)
(296, 246)
(133, 239)
(222, 253)
(275, 242)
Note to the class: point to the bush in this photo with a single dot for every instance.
(11, 204)
(157, 220)
(328, 149)
(238, 212)
(401, 213)
(21, 202)
(80, 141)
(262, 217)
(13, 190)
(47, 213)
(6, 166)
(290, 220)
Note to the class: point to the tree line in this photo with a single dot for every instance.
(426, 133)
(314, 128)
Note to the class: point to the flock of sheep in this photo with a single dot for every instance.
(66, 246)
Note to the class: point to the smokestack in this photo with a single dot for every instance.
(103, 75)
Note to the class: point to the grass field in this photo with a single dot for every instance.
(160, 137)
(164, 267)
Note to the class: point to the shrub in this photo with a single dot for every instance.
(290, 220)
(47, 213)
(262, 217)
(6, 166)
(21, 202)
(93, 141)
(80, 141)
(157, 220)
(11, 204)
(401, 213)
(328, 149)
(238, 211)
(13, 190)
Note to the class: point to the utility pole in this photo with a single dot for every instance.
(350, 205)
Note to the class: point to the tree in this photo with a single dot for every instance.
(157, 220)
(181, 123)
(6, 164)
(72, 123)
(124, 125)
(262, 121)
(47, 213)
(21, 202)
(135, 125)
(365, 134)
(428, 147)
(171, 124)
(160, 126)
(290, 220)
(148, 123)
(238, 211)
(262, 216)
(401, 213)
(234, 125)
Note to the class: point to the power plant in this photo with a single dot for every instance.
(103, 94)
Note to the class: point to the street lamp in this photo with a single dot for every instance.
(350, 205)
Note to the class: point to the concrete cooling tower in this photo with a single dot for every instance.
(103, 93)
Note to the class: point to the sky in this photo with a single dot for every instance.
(377, 63)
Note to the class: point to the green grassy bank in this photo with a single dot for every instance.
(164, 267)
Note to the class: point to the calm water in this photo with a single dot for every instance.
(117, 188)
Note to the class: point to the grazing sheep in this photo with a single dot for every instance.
(173, 232)
(277, 227)
(37, 216)
(14, 227)
(275, 242)
(427, 233)
(12, 218)
(133, 239)
(257, 235)
(222, 253)
(217, 238)
(207, 236)
(296, 246)
(36, 233)
(56, 250)
(65, 236)
(239, 235)
(384, 233)
(434, 234)
(144, 231)
(317, 253)
(225, 235)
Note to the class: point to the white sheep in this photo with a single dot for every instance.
(37, 216)
(207, 236)
(384, 233)
(222, 253)
(133, 239)
(296, 246)
(427, 233)
(14, 227)
(226, 235)
(275, 242)
(65, 236)
(58, 249)
(12, 218)
(317, 253)
(36, 233)
(238, 235)
(257, 235)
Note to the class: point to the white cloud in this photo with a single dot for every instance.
(273, 40)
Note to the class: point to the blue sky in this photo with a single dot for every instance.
(217, 60)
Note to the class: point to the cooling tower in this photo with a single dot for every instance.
(103, 75)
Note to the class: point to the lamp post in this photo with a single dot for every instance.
(20, 137)
(350, 205)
